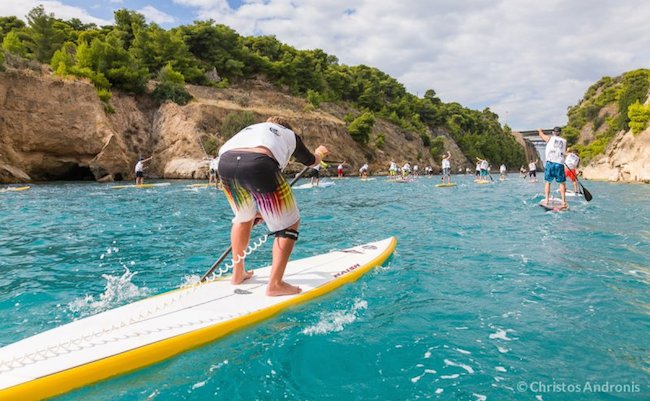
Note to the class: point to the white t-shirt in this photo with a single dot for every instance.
(555, 148)
(532, 166)
(484, 165)
(478, 166)
(445, 163)
(571, 160)
(364, 168)
(502, 168)
(340, 167)
(279, 140)
(139, 166)
(214, 163)
(407, 167)
(393, 166)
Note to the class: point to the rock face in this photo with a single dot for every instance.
(57, 129)
(52, 128)
(627, 159)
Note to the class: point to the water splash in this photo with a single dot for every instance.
(335, 321)
(118, 290)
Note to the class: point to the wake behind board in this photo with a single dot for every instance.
(160, 184)
(554, 205)
(154, 329)
(446, 185)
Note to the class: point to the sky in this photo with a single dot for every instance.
(527, 60)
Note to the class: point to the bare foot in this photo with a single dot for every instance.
(283, 289)
(238, 279)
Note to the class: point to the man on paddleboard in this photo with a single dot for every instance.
(213, 179)
(554, 167)
(532, 171)
(446, 168)
(139, 170)
(571, 162)
(250, 167)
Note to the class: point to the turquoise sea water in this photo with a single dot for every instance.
(487, 296)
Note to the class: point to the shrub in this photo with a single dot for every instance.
(314, 98)
(380, 140)
(571, 135)
(639, 116)
(437, 146)
(211, 146)
(170, 91)
(235, 122)
(104, 95)
(361, 127)
(426, 139)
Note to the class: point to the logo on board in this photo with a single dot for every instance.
(348, 270)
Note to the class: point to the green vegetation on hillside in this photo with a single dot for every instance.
(127, 54)
(623, 97)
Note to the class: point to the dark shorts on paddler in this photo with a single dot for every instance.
(139, 174)
(252, 182)
(554, 171)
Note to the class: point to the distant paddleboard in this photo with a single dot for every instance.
(571, 193)
(451, 184)
(402, 180)
(482, 181)
(204, 185)
(554, 205)
(160, 184)
(309, 185)
(368, 179)
(15, 189)
(155, 329)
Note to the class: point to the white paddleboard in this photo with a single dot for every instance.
(554, 205)
(309, 185)
(568, 192)
(160, 184)
(154, 329)
(15, 189)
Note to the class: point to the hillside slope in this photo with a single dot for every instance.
(57, 129)
(599, 128)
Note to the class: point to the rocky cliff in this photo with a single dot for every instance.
(598, 127)
(627, 158)
(57, 129)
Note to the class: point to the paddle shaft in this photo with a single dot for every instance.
(227, 251)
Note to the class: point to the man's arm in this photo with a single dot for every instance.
(543, 135)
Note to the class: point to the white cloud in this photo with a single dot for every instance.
(20, 8)
(524, 58)
(153, 14)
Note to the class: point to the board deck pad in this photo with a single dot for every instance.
(156, 328)
(446, 185)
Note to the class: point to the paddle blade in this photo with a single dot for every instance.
(587, 194)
